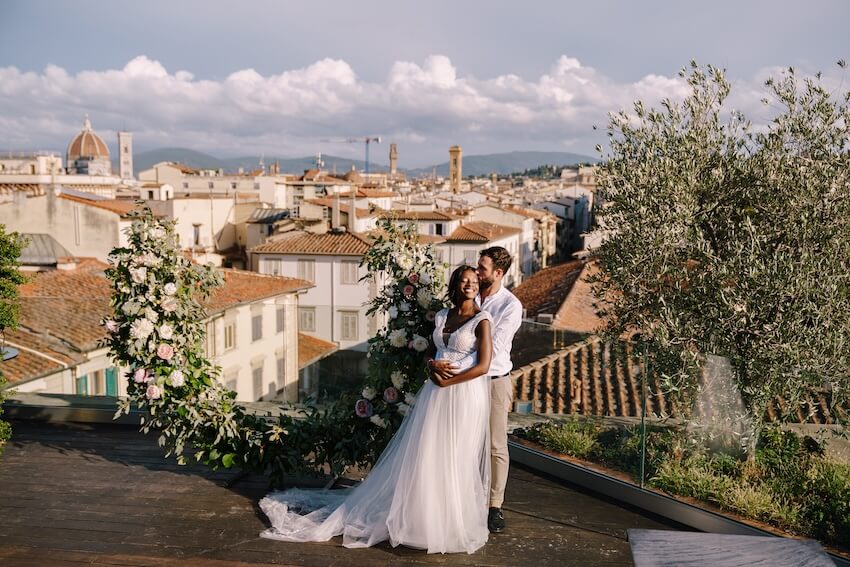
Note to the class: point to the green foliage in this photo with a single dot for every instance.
(733, 240)
(10, 278)
(788, 482)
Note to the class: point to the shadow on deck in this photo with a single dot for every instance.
(102, 494)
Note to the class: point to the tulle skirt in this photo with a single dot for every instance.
(428, 489)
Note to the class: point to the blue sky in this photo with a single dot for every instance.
(277, 77)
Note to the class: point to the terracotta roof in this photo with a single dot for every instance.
(480, 231)
(245, 287)
(329, 243)
(50, 356)
(343, 206)
(87, 144)
(183, 168)
(577, 312)
(312, 349)
(545, 291)
(531, 213)
(73, 320)
(119, 207)
(366, 192)
(87, 281)
(420, 215)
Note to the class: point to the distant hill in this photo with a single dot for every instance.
(505, 163)
(472, 165)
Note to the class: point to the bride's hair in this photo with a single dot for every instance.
(454, 281)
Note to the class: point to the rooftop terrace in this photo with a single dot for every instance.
(102, 494)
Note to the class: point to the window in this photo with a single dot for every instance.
(210, 339)
(257, 376)
(307, 319)
(98, 379)
(348, 272)
(281, 370)
(230, 335)
(470, 257)
(233, 185)
(257, 326)
(82, 386)
(209, 185)
(231, 378)
(438, 229)
(150, 195)
(272, 266)
(307, 270)
(349, 325)
(280, 318)
(196, 234)
(438, 255)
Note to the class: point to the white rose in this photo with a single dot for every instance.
(378, 420)
(425, 279)
(420, 344)
(130, 308)
(392, 311)
(368, 393)
(170, 288)
(157, 232)
(169, 304)
(409, 398)
(139, 274)
(405, 262)
(177, 379)
(152, 315)
(403, 408)
(397, 378)
(166, 331)
(141, 329)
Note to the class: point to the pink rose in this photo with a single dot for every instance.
(391, 395)
(169, 304)
(430, 316)
(363, 408)
(413, 278)
(153, 392)
(165, 352)
(111, 326)
(408, 290)
(140, 375)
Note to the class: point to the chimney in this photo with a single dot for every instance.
(335, 212)
(352, 211)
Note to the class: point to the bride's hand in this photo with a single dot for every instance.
(444, 369)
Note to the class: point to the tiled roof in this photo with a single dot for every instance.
(420, 215)
(329, 243)
(480, 231)
(343, 206)
(73, 320)
(245, 287)
(577, 312)
(119, 207)
(545, 291)
(28, 365)
(366, 192)
(312, 349)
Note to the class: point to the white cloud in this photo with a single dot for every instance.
(424, 107)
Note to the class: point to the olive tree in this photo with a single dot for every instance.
(733, 239)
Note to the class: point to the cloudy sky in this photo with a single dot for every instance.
(279, 77)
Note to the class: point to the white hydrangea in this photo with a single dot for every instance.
(409, 398)
(397, 378)
(398, 338)
(392, 311)
(404, 307)
(425, 278)
(141, 329)
(130, 308)
(423, 296)
(368, 393)
(403, 408)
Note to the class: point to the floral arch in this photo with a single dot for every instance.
(157, 332)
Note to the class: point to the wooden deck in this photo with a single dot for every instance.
(73, 494)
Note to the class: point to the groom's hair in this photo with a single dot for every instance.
(501, 257)
(454, 281)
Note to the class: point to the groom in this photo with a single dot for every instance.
(506, 310)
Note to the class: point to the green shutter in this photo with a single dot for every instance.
(82, 385)
(112, 381)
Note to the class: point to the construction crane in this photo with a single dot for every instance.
(367, 140)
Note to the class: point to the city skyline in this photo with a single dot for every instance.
(278, 79)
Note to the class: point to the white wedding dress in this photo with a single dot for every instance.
(428, 490)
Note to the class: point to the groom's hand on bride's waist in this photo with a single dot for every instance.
(442, 369)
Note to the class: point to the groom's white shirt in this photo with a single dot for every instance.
(506, 311)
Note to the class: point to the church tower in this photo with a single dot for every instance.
(125, 155)
(393, 159)
(455, 168)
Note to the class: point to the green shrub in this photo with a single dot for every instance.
(570, 437)
(826, 502)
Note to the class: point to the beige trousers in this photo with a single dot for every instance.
(501, 401)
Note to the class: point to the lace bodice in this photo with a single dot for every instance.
(461, 347)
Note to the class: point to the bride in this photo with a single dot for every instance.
(428, 490)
